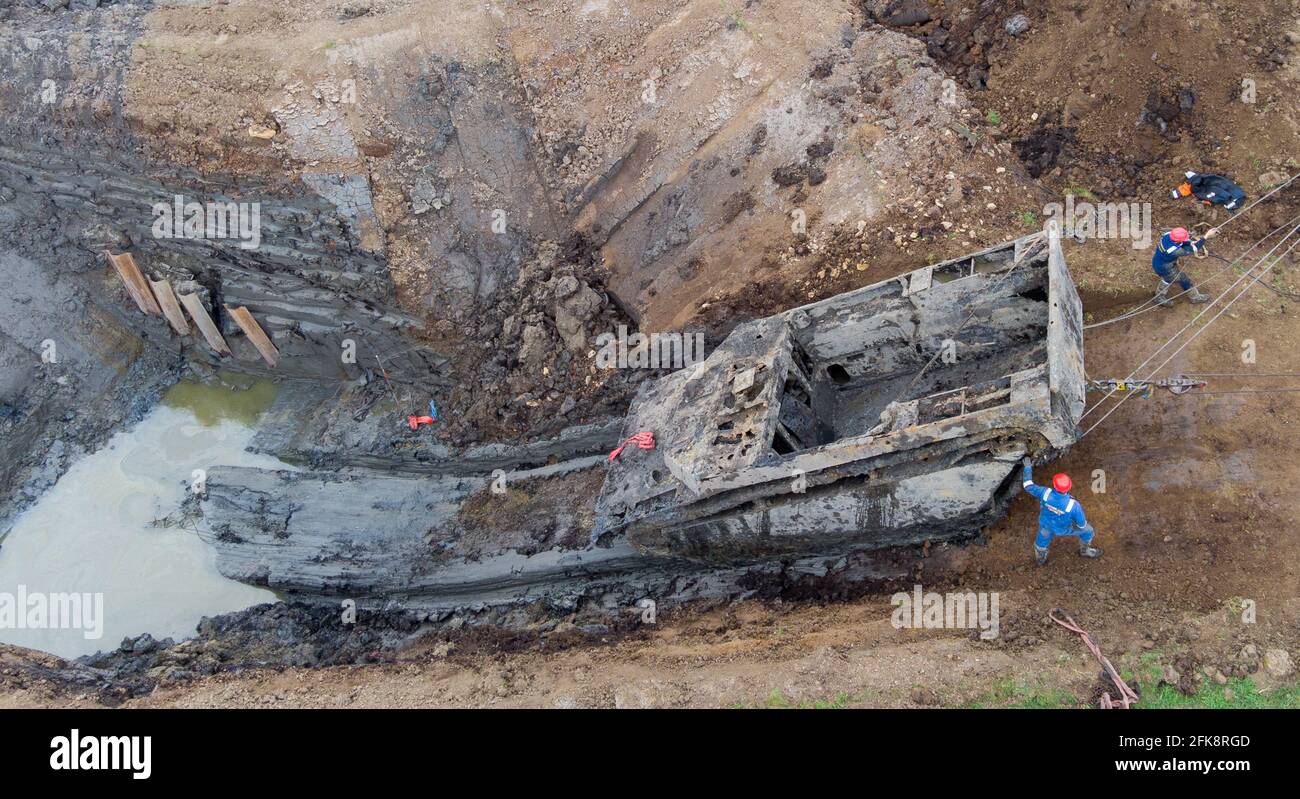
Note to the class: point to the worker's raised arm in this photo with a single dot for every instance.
(1031, 487)
(1198, 246)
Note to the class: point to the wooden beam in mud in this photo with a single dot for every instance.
(162, 291)
(135, 283)
(204, 322)
(255, 334)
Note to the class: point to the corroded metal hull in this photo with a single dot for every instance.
(894, 414)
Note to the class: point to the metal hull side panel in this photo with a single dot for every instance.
(950, 503)
(1065, 343)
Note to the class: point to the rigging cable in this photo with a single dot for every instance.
(1222, 311)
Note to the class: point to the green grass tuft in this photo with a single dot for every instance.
(1238, 694)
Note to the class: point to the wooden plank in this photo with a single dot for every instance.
(204, 322)
(162, 291)
(255, 334)
(135, 283)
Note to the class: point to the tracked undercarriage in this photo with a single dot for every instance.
(893, 414)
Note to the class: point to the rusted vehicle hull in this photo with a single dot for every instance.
(893, 414)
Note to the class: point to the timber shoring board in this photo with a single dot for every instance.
(135, 283)
(204, 322)
(162, 291)
(255, 334)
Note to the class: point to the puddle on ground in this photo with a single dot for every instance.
(238, 398)
(93, 533)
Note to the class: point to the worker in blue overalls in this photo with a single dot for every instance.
(1172, 246)
(1059, 515)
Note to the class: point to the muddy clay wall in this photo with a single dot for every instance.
(309, 283)
(72, 161)
(508, 182)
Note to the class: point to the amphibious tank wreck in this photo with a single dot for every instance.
(893, 414)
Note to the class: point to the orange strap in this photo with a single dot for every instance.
(643, 440)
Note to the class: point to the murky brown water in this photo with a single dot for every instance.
(94, 535)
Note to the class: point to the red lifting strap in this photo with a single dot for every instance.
(1126, 695)
(643, 440)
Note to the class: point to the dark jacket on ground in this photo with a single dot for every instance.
(1217, 190)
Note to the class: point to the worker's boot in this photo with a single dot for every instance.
(1089, 551)
(1196, 297)
(1162, 296)
(1040, 555)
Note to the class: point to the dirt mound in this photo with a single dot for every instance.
(1117, 99)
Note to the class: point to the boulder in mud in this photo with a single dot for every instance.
(536, 347)
(1016, 25)
(899, 13)
(1277, 662)
(576, 305)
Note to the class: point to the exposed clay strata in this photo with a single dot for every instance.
(106, 369)
(309, 282)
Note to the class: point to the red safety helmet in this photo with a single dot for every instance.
(1062, 483)
(1180, 235)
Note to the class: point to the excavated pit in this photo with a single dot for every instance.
(377, 230)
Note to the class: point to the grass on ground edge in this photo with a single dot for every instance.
(1237, 694)
(1020, 694)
